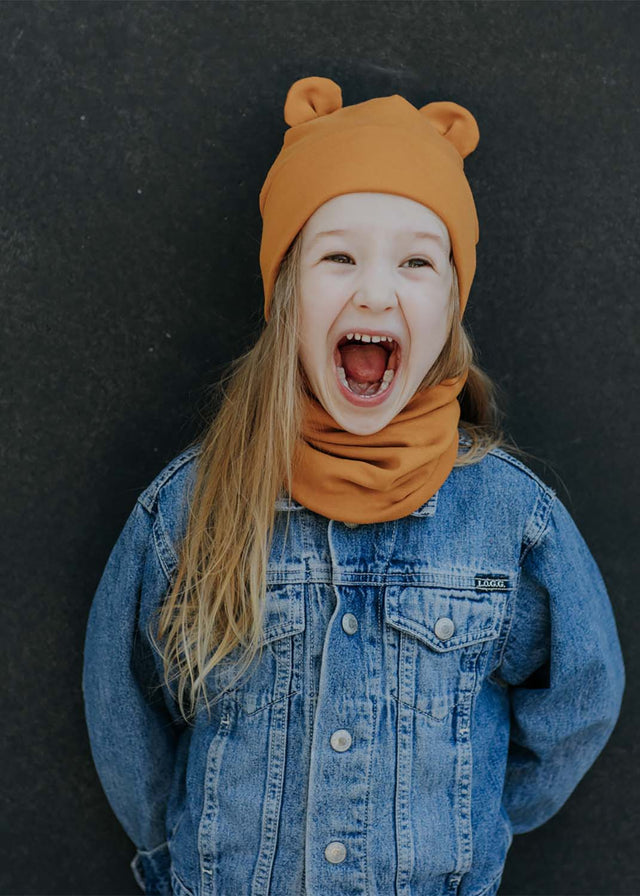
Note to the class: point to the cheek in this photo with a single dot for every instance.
(431, 329)
(439, 324)
(312, 337)
(317, 314)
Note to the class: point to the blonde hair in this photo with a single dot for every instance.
(215, 601)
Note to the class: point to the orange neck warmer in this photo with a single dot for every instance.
(382, 476)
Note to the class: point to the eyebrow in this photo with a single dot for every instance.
(422, 235)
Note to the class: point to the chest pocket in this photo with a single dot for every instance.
(438, 644)
(276, 671)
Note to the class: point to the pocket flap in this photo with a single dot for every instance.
(283, 612)
(444, 619)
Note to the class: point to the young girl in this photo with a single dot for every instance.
(346, 643)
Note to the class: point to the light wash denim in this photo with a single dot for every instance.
(428, 688)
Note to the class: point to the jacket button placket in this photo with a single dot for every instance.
(342, 739)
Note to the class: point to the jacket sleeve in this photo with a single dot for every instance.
(132, 734)
(564, 667)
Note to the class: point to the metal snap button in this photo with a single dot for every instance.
(349, 623)
(351, 525)
(444, 628)
(341, 740)
(335, 852)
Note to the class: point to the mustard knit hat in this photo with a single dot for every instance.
(383, 145)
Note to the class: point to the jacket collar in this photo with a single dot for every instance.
(427, 509)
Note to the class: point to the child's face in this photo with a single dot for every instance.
(367, 280)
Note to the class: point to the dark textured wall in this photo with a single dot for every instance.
(134, 138)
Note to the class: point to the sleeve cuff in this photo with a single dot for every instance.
(152, 870)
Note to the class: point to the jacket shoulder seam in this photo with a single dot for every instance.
(149, 497)
(163, 547)
(538, 522)
(536, 527)
(510, 459)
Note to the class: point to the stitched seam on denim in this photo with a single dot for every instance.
(163, 547)
(148, 512)
(150, 494)
(543, 508)
(181, 886)
(150, 852)
(512, 599)
(542, 530)
(510, 459)
(547, 501)
(136, 866)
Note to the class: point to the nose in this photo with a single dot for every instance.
(376, 292)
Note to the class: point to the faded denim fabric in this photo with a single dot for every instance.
(429, 687)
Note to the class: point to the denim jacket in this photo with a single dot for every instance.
(428, 688)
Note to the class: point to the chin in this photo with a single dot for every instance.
(364, 423)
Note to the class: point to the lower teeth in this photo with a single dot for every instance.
(363, 388)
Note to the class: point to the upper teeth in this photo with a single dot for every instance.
(365, 338)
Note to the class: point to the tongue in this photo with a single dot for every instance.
(364, 363)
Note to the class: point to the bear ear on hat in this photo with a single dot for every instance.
(455, 123)
(310, 98)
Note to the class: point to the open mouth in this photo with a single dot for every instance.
(365, 368)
